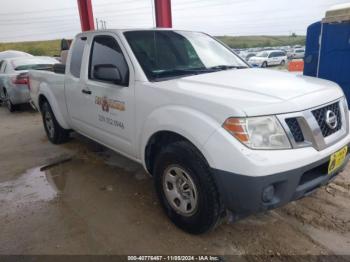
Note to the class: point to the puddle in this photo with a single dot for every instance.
(36, 184)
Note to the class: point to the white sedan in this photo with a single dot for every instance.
(14, 86)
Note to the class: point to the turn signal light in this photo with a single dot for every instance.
(237, 127)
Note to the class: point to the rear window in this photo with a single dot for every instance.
(77, 56)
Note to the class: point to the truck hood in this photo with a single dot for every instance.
(254, 92)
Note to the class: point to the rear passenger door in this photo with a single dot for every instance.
(273, 59)
(280, 57)
(108, 114)
(74, 83)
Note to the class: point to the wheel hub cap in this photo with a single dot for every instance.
(180, 190)
(49, 124)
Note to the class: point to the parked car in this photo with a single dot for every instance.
(12, 54)
(14, 88)
(297, 53)
(268, 58)
(215, 134)
(248, 56)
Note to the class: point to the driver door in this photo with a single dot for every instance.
(107, 107)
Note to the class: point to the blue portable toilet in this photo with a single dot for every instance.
(327, 53)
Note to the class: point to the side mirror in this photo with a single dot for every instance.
(108, 73)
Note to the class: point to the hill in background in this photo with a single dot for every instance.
(52, 47)
(47, 48)
(261, 41)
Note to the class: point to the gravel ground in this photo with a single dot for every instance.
(101, 203)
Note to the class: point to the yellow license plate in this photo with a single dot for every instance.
(337, 159)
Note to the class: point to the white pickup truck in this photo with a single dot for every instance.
(217, 136)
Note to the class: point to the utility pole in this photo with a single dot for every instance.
(100, 24)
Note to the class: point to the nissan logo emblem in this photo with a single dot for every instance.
(331, 119)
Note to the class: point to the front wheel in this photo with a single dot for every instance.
(186, 188)
(55, 133)
(264, 65)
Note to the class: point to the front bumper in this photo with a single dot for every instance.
(255, 63)
(243, 194)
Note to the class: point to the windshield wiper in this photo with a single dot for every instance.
(226, 67)
(183, 71)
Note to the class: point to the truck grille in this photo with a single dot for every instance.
(309, 127)
(320, 115)
(295, 129)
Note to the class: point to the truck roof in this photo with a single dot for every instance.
(120, 30)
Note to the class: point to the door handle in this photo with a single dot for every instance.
(84, 91)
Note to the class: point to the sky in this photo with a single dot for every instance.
(28, 20)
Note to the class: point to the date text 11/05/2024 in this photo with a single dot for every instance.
(174, 258)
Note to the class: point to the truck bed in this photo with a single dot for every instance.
(45, 81)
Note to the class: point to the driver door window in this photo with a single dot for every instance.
(106, 51)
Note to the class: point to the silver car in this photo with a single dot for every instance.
(14, 85)
(298, 53)
(13, 54)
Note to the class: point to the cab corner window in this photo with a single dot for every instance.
(77, 57)
(107, 62)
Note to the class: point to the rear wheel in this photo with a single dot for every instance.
(6, 99)
(55, 133)
(186, 188)
(11, 107)
(283, 63)
(2, 96)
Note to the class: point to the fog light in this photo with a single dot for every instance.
(268, 193)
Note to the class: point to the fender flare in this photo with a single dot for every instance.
(189, 123)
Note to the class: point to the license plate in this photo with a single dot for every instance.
(337, 159)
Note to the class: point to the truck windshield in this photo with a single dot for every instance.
(170, 54)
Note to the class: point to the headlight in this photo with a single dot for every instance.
(258, 132)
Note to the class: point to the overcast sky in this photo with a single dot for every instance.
(26, 20)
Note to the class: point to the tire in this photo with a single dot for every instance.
(264, 65)
(55, 133)
(283, 63)
(2, 95)
(182, 160)
(6, 100)
(11, 107)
